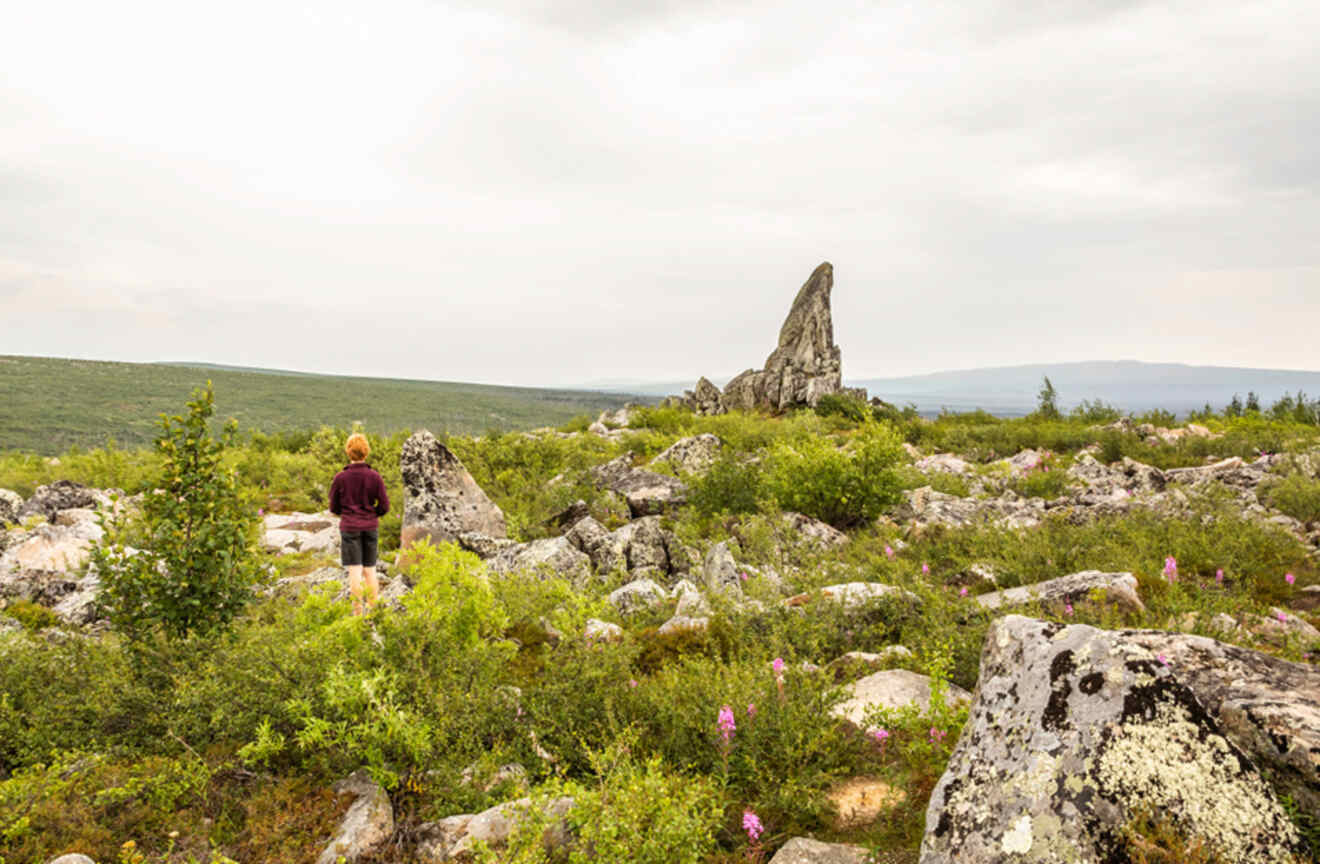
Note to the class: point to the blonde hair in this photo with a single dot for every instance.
(357, 447)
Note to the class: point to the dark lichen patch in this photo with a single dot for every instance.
(1061, 665)
(944, 824)
(1055, 716)
(1091, 684)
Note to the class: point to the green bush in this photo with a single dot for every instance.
(842, 486)
(732, 485)
(1297, 495)
(199, 571)
(32, 616)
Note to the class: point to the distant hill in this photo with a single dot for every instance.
(49, 404)
(1010, 391)
(1126, 384)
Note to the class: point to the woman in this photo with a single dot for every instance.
(357, 497)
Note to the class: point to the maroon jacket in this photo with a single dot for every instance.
(357, 496)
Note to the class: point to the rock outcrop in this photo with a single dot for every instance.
(690, 455)
(1074, 733)
(10, 505)
(367, 825)
(457, 838)
(646, 492)
(804, 850)
(287, 533)
(805, 365)
(1119, 589)
(891, 690)
(442, 501)
(60, 495)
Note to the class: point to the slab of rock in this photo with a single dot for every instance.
(9, 505)
(288, 533)
(556, 555)
(946, 463)
(681, 623)
(597, 630)
(1074, 732)
(891, 689)
(720, 572)
(690, 455)
(854, 664)
(1118, 588)
(852, 595)
(54, 497)
(804, 850)
(705, 399)
(442, 500)
(638, 595)
(646, 492)
(72, 858)
(1268, 707)
(1233, 471)
(925, 506)
(608, 551)
(367, 825)
(494, 827)
(484, 546)
(813, 531)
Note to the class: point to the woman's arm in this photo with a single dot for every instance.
(335, 506)
(382, 498)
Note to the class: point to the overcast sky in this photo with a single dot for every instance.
(566, 191)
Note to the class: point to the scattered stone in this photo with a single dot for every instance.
(287, 533)
(494, 827)
(681, 623)
(72, 858)
(646, 492)
(1118, 588)
(861, 801)
(891, 689)
(813, 531)
(602, 631)
(367, 825)
(720, 571)
(854, 594)
(854, 664)
(944, 463)
(556, 555)
(51, 499)
(925, 507)
(442, 499)
(804, 850)
(1073, 733)
(690, 455)
(638, 595)
(484, 546)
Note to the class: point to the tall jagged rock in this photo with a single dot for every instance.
(442, 500)
(805, 365)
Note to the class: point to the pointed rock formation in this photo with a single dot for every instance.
(805, 365)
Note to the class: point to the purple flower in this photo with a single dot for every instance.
(1289, 578)
(936, 735)
(261, 511)
(726, 724)
(962, 592)
(1219, 576)
(1171, 568)
(1067, 609)
(880, 735)
(925, 568)
(889, 552)
(778, 666)
(1283, 619)
(751, 709)
(742, 575)
(1163, 660)
(632, 682)
(752, 825)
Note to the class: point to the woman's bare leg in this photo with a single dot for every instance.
(355, 586)
(373, 587)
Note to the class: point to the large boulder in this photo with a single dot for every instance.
(1074, 733)
(804, 850)
(607, 550)
(646, 492)
(457, 838)
(852, 595)
(442, 501)
(892, 689)
(690, 455)
(925, 507)
(287, 533)
(1117, 588)
(556, 555)
(705, 398)
(60, 495)
(1268, 707)
(720, 572)
(367, 825)
(10, 505)
(42, 566)
(638, 595)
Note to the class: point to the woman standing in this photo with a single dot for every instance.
(357, 497)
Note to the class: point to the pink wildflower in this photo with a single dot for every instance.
(889, 552)
(1289, 578)
(880, 735)
(1171, 568)
(778, 666)
(936, 735)
(1067, 609)
(726, 724)
(1219, 576)
(632, 682)
(751, 709)
(1283, 619)
(1163, 660)
(962, 592)
(752, 825)
(925, 569)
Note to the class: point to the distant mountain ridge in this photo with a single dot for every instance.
(1011, 391)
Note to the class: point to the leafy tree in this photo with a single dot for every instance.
(1047, 400)
(1253, 401)
(200, 564)
(1234, 408)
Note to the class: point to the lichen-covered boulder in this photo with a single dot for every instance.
(10, 503)
(441, 500)
(853, 595)
(1267, 706)
(892, 689)
(607, 550)
(690, 455)
(720, 572)
(638, 595)
(367, 825)
(556, 555)
(646, 492)
(54, 497)
(1074, 733)
(1117, 588)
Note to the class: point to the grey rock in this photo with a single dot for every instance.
(442, 501)
(644, 540)
(892, 690)
(42, 565)
(924, 507)
(1073, 731)
(1118, 588)
(691, 605)
(1268, 707)
(602, 631)
(682, 623)
(638, 595)
(813, 531)
(719, 571)
(853, 595)
(705, 399)
(945, 463)
(556, 555)
(9, 625)
(856, 663)
(484, 546)
(72, 858)
(495, 826)
(646, 492)
(607, 551)
(804, 850)
(51, 499)
(287, 533)
(366, 826)
(79, 607)
(690, 455)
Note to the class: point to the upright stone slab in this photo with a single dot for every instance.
(1073, 733)
(442, 500)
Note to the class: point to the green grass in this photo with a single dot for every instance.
(52, 404)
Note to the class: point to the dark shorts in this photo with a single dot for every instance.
(357, 547)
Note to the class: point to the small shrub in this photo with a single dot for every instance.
(31, 615)
(841, 486)
(1297, 495)
(732, 485)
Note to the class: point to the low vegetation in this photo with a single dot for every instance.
(224, 745)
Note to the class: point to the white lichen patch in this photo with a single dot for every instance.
(1164, 765)
(1018, 838)
(1039, 779)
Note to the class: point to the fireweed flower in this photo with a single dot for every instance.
(1171, 568)
(1289, 578)
(889, 552)
(1164, 661)
(962, 592)
(632, 682)
(880, 735)
(925, 569)
(1067, 609)
(726, 724)
(1219, 576)
(778, 666)
(751, 709)
(936, 735)
(1283, 619)
(752, 825)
